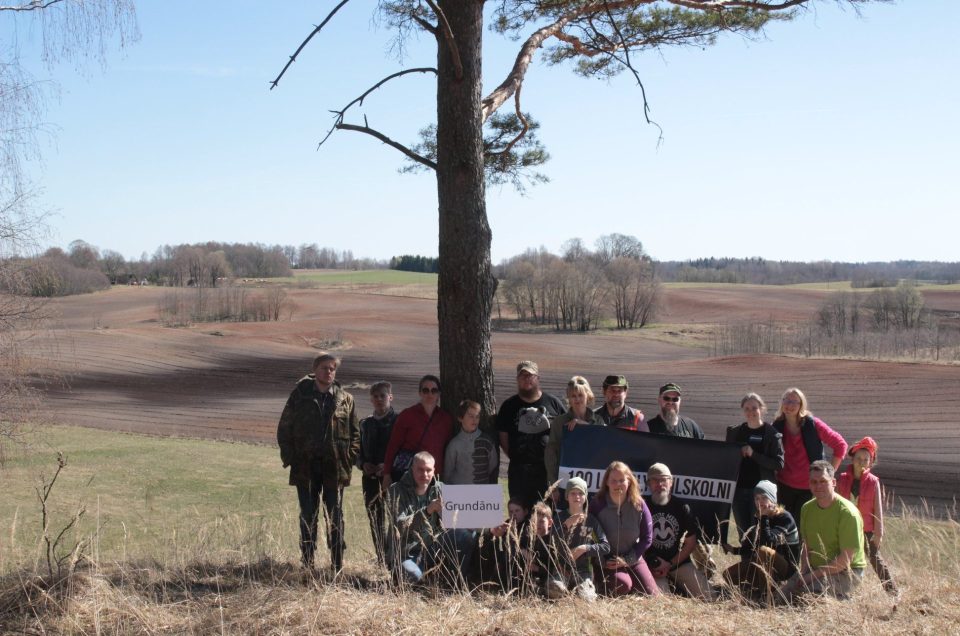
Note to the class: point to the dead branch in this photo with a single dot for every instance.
(390, 142)
(33, 5)
(338, 120)
(293, 58)
(629, 65)
(444, 26)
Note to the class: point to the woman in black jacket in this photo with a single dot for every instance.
(761, 450)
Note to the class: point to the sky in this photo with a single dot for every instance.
(835, 137)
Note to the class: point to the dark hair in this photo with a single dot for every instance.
(382, 385)
(464, 406)
(519, 501)
(428, 378)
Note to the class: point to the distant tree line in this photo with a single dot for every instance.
(83, 268)
(579, 289)
(887, 323)
(409, 263)
(761, 271)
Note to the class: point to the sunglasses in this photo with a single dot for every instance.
(428, 390)
(669, 399)
(790, 402)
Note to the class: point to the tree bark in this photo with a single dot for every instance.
(466, 285)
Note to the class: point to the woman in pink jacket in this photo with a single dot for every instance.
(804, 437)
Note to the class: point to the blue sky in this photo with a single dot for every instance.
(834, 138)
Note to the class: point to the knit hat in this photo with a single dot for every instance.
(867, 444)
(575, 483)
(766, 488)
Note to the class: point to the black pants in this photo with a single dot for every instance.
(528, 482)
(332, 495)
(792, 499)
(373, 500)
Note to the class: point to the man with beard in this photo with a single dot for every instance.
(615, 411)
(523, 423)
(669, 421)
(674, 539)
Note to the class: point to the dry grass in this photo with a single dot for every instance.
(236, 573)
(276, 598)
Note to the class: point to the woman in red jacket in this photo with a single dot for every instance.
(422, 427)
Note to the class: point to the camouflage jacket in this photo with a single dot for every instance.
(302, 438)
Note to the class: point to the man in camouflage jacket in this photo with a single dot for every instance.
(319, 438)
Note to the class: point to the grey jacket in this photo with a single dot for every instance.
(471, 458)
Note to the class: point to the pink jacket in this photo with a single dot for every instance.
(796, 465)
(869, 485)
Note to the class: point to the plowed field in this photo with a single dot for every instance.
(229, 380)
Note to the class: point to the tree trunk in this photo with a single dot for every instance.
(466, 285)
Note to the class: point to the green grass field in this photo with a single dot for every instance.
(156, 498)
(363, 277)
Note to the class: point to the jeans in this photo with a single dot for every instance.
(451, 547)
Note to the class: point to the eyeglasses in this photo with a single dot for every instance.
(790, 402)
(427, 390)
(669, 399)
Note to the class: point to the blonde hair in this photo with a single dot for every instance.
(579, 385)
(540, 509)
(633, 486)
(804, 410)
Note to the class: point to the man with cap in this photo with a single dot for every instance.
(674, 539)
(669, 421)
(614, 411)
(523, 424)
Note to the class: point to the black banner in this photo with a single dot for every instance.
(704, 471)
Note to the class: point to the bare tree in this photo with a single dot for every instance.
(71, 30)
(635, 292)
(599, 37)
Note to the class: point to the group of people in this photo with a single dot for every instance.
(802, 528)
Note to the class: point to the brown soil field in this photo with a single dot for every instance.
(230, 380)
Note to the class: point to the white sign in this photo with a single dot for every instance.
(472, 506)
